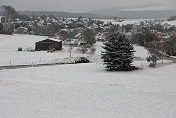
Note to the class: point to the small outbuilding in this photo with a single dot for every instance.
(48, 44)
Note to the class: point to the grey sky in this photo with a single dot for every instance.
(85, 5)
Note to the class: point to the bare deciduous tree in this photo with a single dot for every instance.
(88, 36)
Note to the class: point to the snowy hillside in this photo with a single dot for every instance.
(81, 90)
(141, 52)
(10, 56)
(87, 91)
(171, 22)
(134, 21)
(125, 22)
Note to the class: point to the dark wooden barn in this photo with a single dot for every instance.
(48, 44)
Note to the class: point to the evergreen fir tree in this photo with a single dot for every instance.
(118, 53)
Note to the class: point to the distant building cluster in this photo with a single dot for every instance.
(73, 31)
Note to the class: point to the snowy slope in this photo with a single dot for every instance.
(141, 52)
(10, 56)
(87, 91)
(134, 21)
(81, 90)
(171, 22)
(125, 22)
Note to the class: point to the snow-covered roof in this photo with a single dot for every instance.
(54, 39)
(22, 28)
(57, 40)
(64, 30)
(78, 35)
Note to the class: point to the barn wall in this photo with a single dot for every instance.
(48, 45)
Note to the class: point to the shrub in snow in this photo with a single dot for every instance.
(29, 50)
(88, 36)
(82, 50)
(152, 59)
(118, 53)
(92, 50)
(20, 49)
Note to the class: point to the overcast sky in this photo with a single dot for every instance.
(86, 5)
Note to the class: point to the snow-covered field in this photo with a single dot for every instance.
(134, 21)
(81, 90)
(171, 22)
(9, 55)
(125, 22)
(87, 91)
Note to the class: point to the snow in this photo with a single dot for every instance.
(78, 35)
(87, 90)
(171, 22)
(81, 90)
(125, 22)
(141, 52)
(135, 21)
(9, 55)
(57, 40)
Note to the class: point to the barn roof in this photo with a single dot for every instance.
(52, 39)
